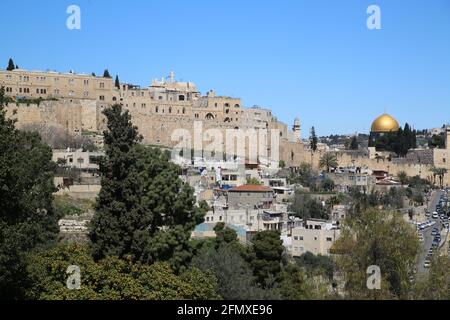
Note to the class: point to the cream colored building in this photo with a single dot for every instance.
(317, 237)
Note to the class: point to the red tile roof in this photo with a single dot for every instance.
(250, 188)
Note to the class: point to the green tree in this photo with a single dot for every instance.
(112, 278)
(282, 164)
(313, 140)
(143, 209)
(11, 65)
(435, 286)
(106, 74)
(327, 185)
(403, 177)
(267, 256)
(27, 217)
(354, 143)
(328, 161)
(316, 265)
(253, 181)
(306, 207)
(111, 233)
(380, 238)
(117, 82)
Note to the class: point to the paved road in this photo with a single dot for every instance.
(428, 238)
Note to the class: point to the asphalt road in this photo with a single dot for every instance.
(428, 238)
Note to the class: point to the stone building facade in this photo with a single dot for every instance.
(75, 102)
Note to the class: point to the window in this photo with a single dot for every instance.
(181, 97)
(184, 110)
(86, 94)
(102, 98)
(301, 238)
(329, 239)
(156, 109)
(71, 81)
(170, 109)
(102, 85)
(295, 238)
(86, 82)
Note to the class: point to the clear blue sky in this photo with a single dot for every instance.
(313, 59)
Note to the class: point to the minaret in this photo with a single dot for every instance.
(447, 137)
(297, 129)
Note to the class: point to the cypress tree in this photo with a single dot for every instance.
(143, 209)
(10, 65)
(313, 140)
(117, 82)
(106, 74)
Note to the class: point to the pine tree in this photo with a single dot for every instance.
(313, 140)
(354, 143)
(117, 82)
(106, 74)
(10, 65)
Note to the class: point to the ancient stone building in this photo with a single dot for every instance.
(167, 112)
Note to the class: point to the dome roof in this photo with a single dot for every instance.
(385, 123)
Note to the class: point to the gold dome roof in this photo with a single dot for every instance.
(385, 123)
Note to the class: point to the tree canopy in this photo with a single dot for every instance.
(27, 217)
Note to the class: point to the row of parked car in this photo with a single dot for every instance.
(441, 213)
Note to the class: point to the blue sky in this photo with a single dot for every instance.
(312, 59)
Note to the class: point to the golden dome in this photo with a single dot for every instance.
(385, 123)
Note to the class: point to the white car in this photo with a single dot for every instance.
(427, 264)
(435, 215)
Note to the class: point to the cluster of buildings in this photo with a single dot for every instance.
(75, 102)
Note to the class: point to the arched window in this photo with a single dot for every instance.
(209, 116)
(156, 109)
(170, 109)
(227, 120)
(236, 105)
(184, 110)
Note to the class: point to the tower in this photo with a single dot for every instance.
(447, 137)
(297, 129)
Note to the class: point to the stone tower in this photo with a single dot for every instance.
(297, 129)
(447, 137)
